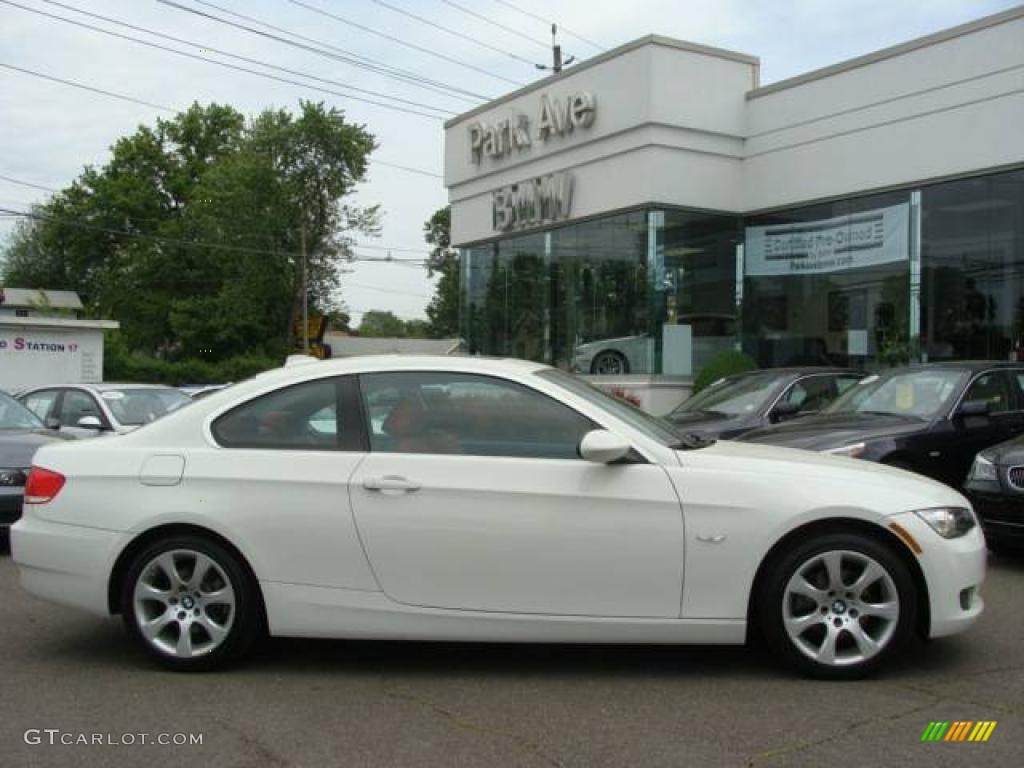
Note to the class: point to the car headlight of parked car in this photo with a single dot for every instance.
(983, 471)
(948, 522)
(854, 451)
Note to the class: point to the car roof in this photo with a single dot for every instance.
(802, 370)
(104, 386)
(973, 366)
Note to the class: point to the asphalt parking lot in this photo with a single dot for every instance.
(318, 703)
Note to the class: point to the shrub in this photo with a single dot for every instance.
(726, 363)
(120, 364)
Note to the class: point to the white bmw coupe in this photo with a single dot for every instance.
(486, 500)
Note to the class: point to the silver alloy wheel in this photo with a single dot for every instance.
(609, 364)
(184, 603)
(840, 608)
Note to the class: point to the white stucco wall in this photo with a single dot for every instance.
(680, 124)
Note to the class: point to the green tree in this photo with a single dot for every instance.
(443, 310)
(380, 323)
(256, 193)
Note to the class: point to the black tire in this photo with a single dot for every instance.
(855, 550)
(245, 625)
(609, 363)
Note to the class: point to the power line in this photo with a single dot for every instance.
(73, 84)
(562, 27)
(450, 31)
(399, 41)
(494, 23)
(346, 283)
(28, 184)
(355, 59)
(409, 169)
(220, 63)
(187, 243)
(246, 59)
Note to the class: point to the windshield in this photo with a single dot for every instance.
(921, 394)
(734, 396)
(651, 426)
(133, 407)
(14, 415)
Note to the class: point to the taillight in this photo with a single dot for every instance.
(42, 485)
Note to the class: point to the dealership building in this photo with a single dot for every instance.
(647, 208)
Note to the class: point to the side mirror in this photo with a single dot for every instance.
(783, 411)
(53, 423)
(603, 447)
(90, 422)
(974, 408)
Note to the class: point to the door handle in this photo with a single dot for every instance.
(390, 483)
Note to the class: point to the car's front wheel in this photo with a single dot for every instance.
(190, 603)
(838, 605)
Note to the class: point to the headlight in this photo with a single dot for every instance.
(983, 470)
(854, 451)
(948, 522)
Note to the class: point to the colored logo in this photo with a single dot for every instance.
(959, 730)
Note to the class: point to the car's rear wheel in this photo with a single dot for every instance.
(190, 603)
(610, 363)
(838, 606)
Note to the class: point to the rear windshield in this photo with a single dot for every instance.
(134, 407)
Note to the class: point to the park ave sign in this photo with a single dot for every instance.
(556, 117)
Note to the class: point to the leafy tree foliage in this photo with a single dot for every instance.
(443, 310)
(255, 193)
(382, 324)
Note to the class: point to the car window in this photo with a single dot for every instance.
(467, 414)
(304, 417)
(14, 415)
(41, 403)
(77, 405)
(810, 394)
(1017, 387)
(920, 393)
(135, 407)
(992, 388)
(735, 396)
(845, 383)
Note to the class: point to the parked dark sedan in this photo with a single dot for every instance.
(21, 433)
(995, 486)
(931, 419)
(737, 404)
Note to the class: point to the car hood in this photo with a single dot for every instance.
(708, 424)
(849, 482)
(17, 447)
(1008, 454)
(834, 430)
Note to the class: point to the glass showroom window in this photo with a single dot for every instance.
(694, 289)
(830, 284)
(972, 256)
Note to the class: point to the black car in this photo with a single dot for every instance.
(21, 433)
(931, 419)
(737, 404)
(995, 486)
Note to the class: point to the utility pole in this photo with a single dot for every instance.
(556, 54)
(305, 293)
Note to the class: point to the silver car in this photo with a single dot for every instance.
(88, 410)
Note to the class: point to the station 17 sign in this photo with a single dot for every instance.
(865, 239)
(29, 357)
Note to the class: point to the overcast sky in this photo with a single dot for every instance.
(49, 131)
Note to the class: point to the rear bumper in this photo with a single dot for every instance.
(10, 505)
(954, 570)
(66, 564)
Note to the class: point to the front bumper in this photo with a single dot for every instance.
(1001, 518)
(954, 570)
(67, 564)
(10, 505)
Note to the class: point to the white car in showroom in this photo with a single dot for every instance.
(486, 500)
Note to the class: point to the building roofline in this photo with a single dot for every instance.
(887, 53)
(667, 42)
(58, 322)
